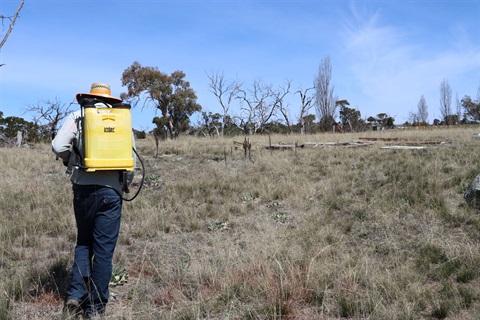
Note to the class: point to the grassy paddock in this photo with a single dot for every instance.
(330, 232)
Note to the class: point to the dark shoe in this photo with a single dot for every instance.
(72, 308)
(92, 314)
(88, 314)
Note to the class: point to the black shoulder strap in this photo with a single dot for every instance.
(76, 143)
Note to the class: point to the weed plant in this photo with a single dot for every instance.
(320, 232)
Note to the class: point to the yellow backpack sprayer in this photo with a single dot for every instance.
(107, 136)
(107, 140)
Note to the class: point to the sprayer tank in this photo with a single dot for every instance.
(108, 138)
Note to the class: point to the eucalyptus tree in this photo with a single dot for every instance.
(472, 108)
(171, 94)
(385, 120)
(348, 116)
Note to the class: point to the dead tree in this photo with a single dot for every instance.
(308, 101)
(257, 105)
(324, 97)
(225, 92)
(247, 147)
(49, 112)
(446, 101)
(278, 102)
(12, 23)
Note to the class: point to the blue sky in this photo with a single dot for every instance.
(385, 54)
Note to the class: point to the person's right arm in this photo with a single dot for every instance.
(62, 143)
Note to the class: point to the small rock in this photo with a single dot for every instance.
(472, 194)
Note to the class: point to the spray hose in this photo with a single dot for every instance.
(141, 181)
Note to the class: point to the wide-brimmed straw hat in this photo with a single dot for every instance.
(100, 91)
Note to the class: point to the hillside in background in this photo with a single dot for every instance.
(341, 228)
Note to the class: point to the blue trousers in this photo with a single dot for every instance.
(98, 212)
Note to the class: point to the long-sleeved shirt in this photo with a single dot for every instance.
(70, 135)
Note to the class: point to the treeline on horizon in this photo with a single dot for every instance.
(260, 108)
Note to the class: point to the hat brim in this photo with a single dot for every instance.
(107, 98)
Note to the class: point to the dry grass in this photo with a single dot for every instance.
(331, 232)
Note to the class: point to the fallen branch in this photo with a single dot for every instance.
(405, 148)
(348, 143)
(280, 146)
(406, 140)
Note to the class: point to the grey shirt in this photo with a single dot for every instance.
(70, 135)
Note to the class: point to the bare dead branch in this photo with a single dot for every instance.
(225, 91)
(308, 101)
(12, 23)
(50, 113)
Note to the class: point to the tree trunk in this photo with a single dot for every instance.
(19, 138)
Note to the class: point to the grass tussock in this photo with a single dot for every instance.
(326, 232)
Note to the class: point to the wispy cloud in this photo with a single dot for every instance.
(392, 70)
